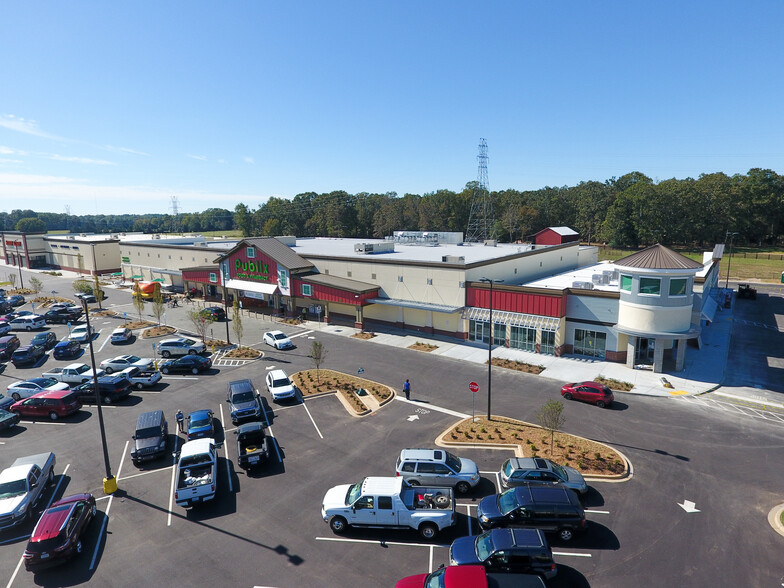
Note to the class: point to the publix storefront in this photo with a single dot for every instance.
(266, 273)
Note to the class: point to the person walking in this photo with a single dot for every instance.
(407, 389)
(180, 421)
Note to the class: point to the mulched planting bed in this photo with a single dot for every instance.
(309, 383)
(243, 353)
(585, 455)
(520, 366)
(159, 331)
(614, 384)
(363, 335)
(419, 346)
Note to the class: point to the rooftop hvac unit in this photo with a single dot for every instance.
(491, 242)
(374, 248)
(596, 278)
(608, 275)
(453, 259)
(582, 285)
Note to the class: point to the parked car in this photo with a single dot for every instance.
(59, 533)
(253, 445)
(5, 328)
(82, 333)
(190, 363)
(244, 402)
(150, 437)
(111, 388)
(279, 385)
(67, 350)
(8, 345)
(592, 392)
(278, 340)
(506, 550)
(27, 388)
(200, 425)
(28, 322)
(16, 314)
(89, 298)
(121, 335)
(6, 402)
(180, 346)
(470, 576)
(121, 362)
(69, 306)
(27, 355)
(62, 316)
(16, 300)
(8, 420)
(46, 340)
(518, 471)
(53, 404)
(436, 467)
(553, 510)
(216, 313)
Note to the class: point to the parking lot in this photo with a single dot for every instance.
(265, 529)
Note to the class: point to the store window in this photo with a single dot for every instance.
(307, 290)
(522, 338)
(213, 277)
(590, 343)
(499, 334)
(479, 331)
(678, 286)
(626, 283)
(651, 286)
(250, 253)
(548, 343)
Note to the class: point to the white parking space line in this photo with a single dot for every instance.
(51, 498)
(108, 510)
(146, 391)
(470, 520)
(42, 423)
(168, 377)
(300, 334)
(144, 474)
(434, 407)
(269, 428)
(379, 542)
(597, 511)
(430, 565)
(226, 450)
(174, 474)
(312, 421)
(570, 554)
(104, 497)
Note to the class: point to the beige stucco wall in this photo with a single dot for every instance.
(674, 319)
(443, 321)
(414, 317)
(540, 263)
(381, 312)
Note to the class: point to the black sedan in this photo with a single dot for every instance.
(67, 350)
(16, 300)
(216, 313)
(62, 316)
(187, 364)
(8, 419)
(46, 340)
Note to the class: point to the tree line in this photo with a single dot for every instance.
(625, 212)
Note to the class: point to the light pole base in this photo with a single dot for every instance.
(110, 485)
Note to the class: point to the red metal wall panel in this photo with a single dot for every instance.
(522, 302)
(202, 277)
(261, 268)
(328, 294)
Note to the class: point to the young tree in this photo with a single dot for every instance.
(138, 301)
(200, 323)
(98, 292)
(12, 279)
(236, 321)
(80, 262)
(35, 284)
(318, 354)
(158, 307)
(551, 418)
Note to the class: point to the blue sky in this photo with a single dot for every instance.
(114, 107)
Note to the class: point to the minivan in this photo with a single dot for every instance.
(150, 437)
(27, 322)
(506, 550)
(8, 345)
(552, 509)
(52, 403)
(436, 467)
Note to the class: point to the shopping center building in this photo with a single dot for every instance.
(548, 297)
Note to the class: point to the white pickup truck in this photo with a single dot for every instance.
(389, 502)
(22, 486)
(197, 473)
(76, 373)
(141, 378)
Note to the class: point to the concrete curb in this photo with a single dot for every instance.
(344, 402)
(517, 448)
(774, 519)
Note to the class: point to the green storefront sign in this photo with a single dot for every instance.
(251, 270)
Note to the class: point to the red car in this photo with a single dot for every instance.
(58, 535)
(592, 392)
(53, 404)
(469, 577)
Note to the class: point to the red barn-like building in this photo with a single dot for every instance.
(556, 236)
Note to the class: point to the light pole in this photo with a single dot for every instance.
(19, 261)
(490, 344)
(729, 262)
(109, 482)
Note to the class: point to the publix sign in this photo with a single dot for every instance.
(251, 270)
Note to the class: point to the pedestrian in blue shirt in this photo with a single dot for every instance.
(407, 389)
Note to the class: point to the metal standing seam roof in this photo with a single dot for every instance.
(658, 257)
(416, 305)
(280, 252)
(515, 319)
(338, 282)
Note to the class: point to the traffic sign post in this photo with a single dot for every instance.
(474, 387)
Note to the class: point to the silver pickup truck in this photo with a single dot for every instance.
(22, 486)
(197, 473)
(387, 502)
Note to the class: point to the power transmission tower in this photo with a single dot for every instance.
(481, 220)
(175, 212)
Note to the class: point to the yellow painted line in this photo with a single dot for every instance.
(678, 392)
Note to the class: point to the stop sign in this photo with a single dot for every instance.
(474, 387)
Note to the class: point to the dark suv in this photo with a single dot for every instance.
(551, 509)
(8, 345)
(506, 550)
(243, 401)
(112, 389)
(150, 438)
(27, 355)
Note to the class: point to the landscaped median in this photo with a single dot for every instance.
(359, 396)
(591, 458)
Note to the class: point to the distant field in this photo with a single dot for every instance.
(232, 234)
(763, 265)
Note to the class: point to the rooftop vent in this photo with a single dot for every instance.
(491, 242)
(368, 248)
(453, 259)
(582, 285)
